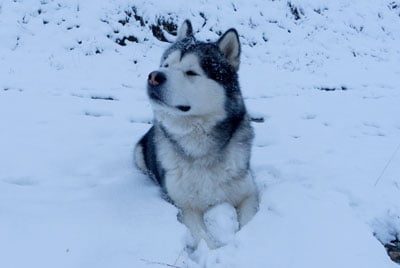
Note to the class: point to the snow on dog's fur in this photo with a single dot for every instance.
(199, 146)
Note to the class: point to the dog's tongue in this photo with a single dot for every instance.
(183, 108)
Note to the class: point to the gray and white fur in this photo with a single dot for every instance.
(198, 149)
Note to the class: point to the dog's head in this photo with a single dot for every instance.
(197, 78)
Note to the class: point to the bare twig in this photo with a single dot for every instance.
(177, 258)
(160, 263)
(387, 164)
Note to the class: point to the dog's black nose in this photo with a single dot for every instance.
(156, 78)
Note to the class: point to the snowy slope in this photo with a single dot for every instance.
(324, 76)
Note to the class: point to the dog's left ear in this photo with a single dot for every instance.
(185, 30)
(229, 45)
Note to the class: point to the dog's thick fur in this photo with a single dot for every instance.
(199, 146)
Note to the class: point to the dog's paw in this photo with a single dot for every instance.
(222, 224)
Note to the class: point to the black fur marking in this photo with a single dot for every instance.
(150, 157)
(217, 67)
(227, 128)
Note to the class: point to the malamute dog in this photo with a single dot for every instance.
(199, 146)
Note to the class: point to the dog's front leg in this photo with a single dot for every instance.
(194, 220)
(247, 209)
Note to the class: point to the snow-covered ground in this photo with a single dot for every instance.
(324, 76)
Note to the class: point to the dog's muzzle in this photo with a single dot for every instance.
(155, 83)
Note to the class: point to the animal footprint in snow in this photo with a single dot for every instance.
(372, 129)
(309, 116)
(20, 181)
(97, 113)
(371, 124)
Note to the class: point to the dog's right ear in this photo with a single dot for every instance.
(185, 30)
(229, 45)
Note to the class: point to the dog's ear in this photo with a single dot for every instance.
(185, 30)
(229, 45)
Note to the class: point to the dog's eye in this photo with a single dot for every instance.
(166, 65)
(191, 73)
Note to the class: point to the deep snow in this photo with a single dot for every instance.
(324, 76)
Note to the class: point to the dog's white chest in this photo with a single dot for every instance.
(199, 184)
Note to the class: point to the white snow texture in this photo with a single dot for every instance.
(324, 75)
